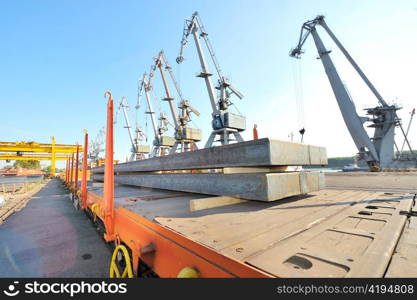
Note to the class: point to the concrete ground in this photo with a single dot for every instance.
(50, 238)
(405, 182)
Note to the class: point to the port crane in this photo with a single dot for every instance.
(138, 151)
(224, 123)
(412, 113)
(162, 143)
(97, 146)
(377, 151)
(185, 137)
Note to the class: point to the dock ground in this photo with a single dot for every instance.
(405, 182)
(49, 238)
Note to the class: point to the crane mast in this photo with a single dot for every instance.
(185, 137)
(377, 151)
(96, 146)
(224, 123)
(162, 144)
(412, 113)
(137, 151)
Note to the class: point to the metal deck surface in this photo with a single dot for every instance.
(330, 233)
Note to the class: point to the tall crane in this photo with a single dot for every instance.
(96, 147)
(162, 143)
(138, 151)
(412, 113)
(185, 137)
(377, 151)
(224, 123)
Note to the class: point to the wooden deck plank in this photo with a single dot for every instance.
(206, 203)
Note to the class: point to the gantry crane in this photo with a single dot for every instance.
(138, 151)
(37, 151)
(377, 151)
(224, 123)
(185, 137)
(162, 143)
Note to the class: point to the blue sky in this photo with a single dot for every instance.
(59, 57)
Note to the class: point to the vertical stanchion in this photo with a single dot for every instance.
(66, 171)
(72, 169)
(76, 167)
(84, 178)
(109, 173)
(53, 158)
(69, 171)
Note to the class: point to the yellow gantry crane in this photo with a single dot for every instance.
(37, 151)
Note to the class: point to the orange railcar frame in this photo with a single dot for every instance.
(165, 251)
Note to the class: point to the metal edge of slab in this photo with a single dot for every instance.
(253, 186)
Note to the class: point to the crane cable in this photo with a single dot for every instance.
(299, 96)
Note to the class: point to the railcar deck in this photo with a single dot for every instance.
(329, 233)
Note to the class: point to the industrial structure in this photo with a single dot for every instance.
(225, 124)
(238, 209)
(138, 150)
(162, 143)
(185, 136)
(377, 151)
(178, 232)
(37, 151)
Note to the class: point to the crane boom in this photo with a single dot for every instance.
(412, 113)
(160, 62)
(147, 87)
(192, 27)
(161, 143)
(137, 151)
(347, 107)
(379, 150)
(352, 62)
(185, 137)
(123, 105)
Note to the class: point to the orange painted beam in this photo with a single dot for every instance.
(84, 178)
(109, 173)
(77, 157)
(173, 251)
(72, 169)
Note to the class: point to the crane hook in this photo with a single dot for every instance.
(109, 94)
